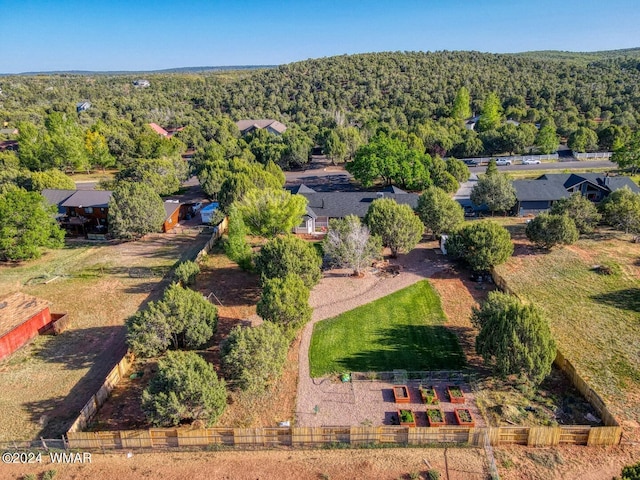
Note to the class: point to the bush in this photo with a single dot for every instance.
(186, 388)
(289, 254)
(581, 210)
(285, 301)
(631, 472)
(548, 230)
(187, 272)
(396, 224)
(253, 357)
(183, 319)
(514, 338)
(482, 245)
(236, 247)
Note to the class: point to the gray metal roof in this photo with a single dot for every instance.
(302, 188)
(531, 190)
(89, 198)
(171, 206)
(341, 204)
(606, 183)
(245, 125)
(56, 196)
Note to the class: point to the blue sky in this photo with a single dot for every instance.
(41, 35)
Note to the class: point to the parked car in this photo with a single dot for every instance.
(501, 162)
(471, 162)
(531, 162)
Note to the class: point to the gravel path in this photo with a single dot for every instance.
(337, 293)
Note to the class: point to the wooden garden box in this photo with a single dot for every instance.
(409, 418)
(455, 394)
(429, 395)
(401, 394)
(435, 417)
(464, 417)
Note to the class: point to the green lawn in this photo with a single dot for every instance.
(594, 318)
(404, 330)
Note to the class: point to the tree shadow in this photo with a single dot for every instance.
(409, 347)
(231, 285)
(627, 299)
(98, 349)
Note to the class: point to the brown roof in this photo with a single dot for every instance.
(158, 129)
(17, 308)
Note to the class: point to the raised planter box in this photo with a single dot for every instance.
(407, 418)
(435, 417)
(429, 395)
(455, 394)
(464, 417)
(401, 394)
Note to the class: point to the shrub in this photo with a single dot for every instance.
(236, 247)
(581, 210)
(253, 357)
(285, 300)
(548, 230)
(289, 254)
(631, 472)
(186, 388)
(187, 272)
(396, 224)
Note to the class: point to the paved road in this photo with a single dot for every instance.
(552, 166)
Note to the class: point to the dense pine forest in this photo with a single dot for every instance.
(522, 103)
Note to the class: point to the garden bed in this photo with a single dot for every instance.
(435, 417)
(429, 395)
(455, 394)
(464, 417)
(407, 418)
(401, 394)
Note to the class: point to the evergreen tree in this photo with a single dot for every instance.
(289, 254)
(514, 339)
(439, 212)
(186, 388)
(135, 209)
(397, 225)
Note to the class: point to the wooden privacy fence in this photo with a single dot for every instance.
(570, 371)
(218, 230)
(97, 400)
(319, 436)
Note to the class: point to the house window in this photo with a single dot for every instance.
(88, 209)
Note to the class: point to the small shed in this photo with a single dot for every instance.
(208, 212)
(22, 317)
(172, 209)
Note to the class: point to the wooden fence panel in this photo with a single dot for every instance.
(364, 435)
(137, 438)
(604, 436)
(274, 437)
(163, 437)
(195, 437)
(574, 435)
(517, 435)
(248, 436)
(301, 436)
(398, 435)
(221, 436)
(543, 436)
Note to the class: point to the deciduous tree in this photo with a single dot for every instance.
(627, 155)
(495, 191)
(349, 244)
(27, 225)
(270, 212)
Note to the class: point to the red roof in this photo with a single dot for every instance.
(158, 129)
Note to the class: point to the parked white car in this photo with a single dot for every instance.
(501, 163)
(531, 162)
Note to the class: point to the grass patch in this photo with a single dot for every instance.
(404, 330)
(594, 317)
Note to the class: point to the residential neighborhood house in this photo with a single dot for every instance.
(272, 126)
(322, 206)
(536, 196)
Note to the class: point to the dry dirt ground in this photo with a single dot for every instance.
(379, 464)
(46, 383)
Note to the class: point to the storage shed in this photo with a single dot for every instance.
(207, 212)
(22, 317)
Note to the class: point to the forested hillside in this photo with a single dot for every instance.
(339, 103)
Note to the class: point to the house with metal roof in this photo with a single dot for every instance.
(535, 196)
(81, 212)
(322, 206)
(272, 126)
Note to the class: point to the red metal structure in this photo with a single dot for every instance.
(22, 317)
